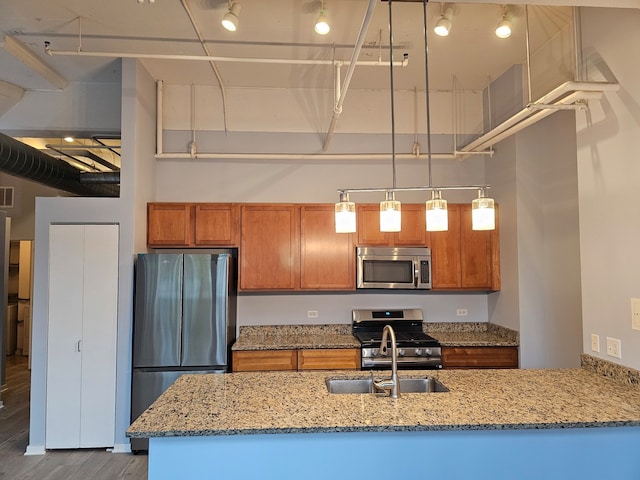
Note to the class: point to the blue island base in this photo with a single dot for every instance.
(584, 453)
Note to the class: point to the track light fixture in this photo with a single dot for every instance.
(230, 20)
(322, 23)
(504, 27)
(443, 25)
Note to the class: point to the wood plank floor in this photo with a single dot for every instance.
(55, 464)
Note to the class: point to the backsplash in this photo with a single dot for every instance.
(620, 373)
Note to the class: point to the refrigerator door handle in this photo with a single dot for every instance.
(78, 344)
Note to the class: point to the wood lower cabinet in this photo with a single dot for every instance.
(480, 357)
(304, 359)
(262, 360)
(329, 359)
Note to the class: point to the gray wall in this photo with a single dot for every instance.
(608, 173)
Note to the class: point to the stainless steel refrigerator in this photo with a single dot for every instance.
(184, 322)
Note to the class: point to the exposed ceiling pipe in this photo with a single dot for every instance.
(21, 160)
(213, 65)
(300, 156)
(558, 96)
(337, 109)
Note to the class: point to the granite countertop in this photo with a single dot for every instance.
(298, 402)
(285, 337)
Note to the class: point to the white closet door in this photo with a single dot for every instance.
(83, 278)
(100, 313)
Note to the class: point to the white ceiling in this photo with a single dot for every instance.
(284, 29)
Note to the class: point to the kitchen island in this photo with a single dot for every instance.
(572, 423)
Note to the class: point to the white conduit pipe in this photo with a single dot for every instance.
(299, 156)
(209, 58)
(549, 98)
(159, 117)
(337, 110)
(211, 63)
(536, 118)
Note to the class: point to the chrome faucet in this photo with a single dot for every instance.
(391, 384)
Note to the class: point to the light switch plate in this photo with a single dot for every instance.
(635, 313)
(595, 342)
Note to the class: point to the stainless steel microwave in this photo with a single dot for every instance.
(391, 267)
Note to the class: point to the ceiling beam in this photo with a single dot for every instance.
(31, 60)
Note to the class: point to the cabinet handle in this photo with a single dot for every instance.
(78, 343)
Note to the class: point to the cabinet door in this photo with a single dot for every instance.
(445, 253)
(263, 360)
(475, 253)
(368, 230)
(169, 225)
(480, 357)
(269, 247)
(329, 359)
(216, 224)
(327, 258)
(413, 231)
(81, 339)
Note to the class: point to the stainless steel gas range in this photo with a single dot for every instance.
(416, 350)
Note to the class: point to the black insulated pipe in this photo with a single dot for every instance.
(21, 160)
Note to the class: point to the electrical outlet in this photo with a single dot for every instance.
(635, 313)
(614, 347)
(312, 314)
(462, 312)
(595, 342)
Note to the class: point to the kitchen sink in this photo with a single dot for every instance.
(365, 385)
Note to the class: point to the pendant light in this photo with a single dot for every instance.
(437, 216)
(483, 213)
(390, 215)
(390, 208)
(345, 215)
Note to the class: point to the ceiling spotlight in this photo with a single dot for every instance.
(443, 25)
(69, 139)
(503, 30)
(230, 20)
(322, 23)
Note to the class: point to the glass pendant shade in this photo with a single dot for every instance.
(345, 214)
(483, 213)
(437, 215)
(390, 216)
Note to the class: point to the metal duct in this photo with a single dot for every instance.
(27, 162)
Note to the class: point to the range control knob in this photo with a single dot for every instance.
(418, 352)
(401, 352)
(428, 351)
(374, 351)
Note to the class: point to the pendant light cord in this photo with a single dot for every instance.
(393, 120)
(426, 81)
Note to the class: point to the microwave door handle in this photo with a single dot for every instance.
(416, 273)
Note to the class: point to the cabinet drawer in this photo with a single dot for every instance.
(480, 357)
(329, 359)
(261, 360)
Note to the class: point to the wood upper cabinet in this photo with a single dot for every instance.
(269, 255)
(327, 258)
(192, 225)
(413, 232)
(169, 225)
(462, 258)
(216, 224)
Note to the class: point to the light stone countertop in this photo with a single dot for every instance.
(298, 402)
(285, 337)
